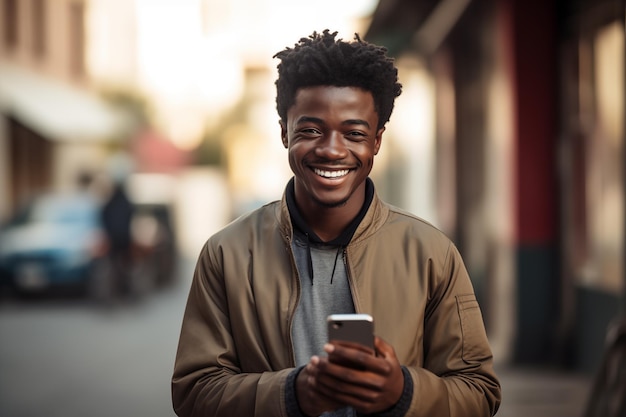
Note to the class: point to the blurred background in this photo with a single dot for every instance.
(131, 130)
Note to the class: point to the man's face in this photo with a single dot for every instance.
(331, 135)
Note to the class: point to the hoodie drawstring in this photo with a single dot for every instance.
(310, 260)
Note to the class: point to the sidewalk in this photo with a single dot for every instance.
(542, 393)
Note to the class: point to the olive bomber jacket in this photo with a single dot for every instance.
(235, 349)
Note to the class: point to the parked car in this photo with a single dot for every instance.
(52, 242)
(58, 241)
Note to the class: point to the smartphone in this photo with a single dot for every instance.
(358, 328)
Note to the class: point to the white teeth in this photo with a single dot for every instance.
(331, 174)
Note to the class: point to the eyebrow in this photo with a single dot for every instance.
(310, 119)
(356, 122)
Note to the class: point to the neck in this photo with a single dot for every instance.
(333, 225)
(329, 222)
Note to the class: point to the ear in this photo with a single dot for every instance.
(378, 140)
(283, 134)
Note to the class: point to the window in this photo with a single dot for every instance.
(595, 202)
(39, 27)
(604, 182)
(9, 23)
(77, 38)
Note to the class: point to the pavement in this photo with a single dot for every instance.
(543, 392)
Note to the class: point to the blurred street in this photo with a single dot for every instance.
(63, 358)
(542, 393)
(66, 358)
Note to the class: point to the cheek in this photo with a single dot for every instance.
(367, 156)
(293, 159)
(298, 150)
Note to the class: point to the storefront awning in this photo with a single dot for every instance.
(418, 25)
(55, 110)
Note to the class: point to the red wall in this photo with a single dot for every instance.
(535, 64)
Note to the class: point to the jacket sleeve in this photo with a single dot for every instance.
(207, 379)
(457, 378)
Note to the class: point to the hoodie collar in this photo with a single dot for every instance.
(346, 235)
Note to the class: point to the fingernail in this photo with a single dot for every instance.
(329, 348)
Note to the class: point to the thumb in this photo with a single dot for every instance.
(383, 348)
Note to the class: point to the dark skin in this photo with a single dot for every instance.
(332, 137)
(351, 375)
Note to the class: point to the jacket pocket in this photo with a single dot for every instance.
(475, 343)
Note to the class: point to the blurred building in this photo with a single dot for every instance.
(53, 125)
(527, 135)
(77, 75)
(509, 134)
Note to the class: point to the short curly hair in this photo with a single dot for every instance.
(321, 59)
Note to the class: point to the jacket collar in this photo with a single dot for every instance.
(369, 219)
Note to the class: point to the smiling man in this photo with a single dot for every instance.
(253, 340)
(332, 136)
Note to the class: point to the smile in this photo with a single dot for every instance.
(331, 174)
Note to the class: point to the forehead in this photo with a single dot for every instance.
(332, 100)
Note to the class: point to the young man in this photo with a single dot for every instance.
(253, 340)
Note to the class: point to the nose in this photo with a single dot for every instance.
(332, 146)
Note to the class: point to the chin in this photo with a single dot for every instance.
(331, 203)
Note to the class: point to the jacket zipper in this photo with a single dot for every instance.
(292, 309)
(351, 282)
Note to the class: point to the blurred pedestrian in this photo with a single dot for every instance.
(253, 340)
(117, 215)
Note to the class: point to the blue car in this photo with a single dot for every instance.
(53, 242)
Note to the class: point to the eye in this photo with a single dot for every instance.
(356, 135)
(309, 132)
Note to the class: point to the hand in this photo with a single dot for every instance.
(352, 375)
(311, 401)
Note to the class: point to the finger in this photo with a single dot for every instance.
(383, 348)
(364, 391)
(352, 345)
(361, 398)
(375, 388)
(346, 391)
(350, 357)
(311, 399)
(339, 377)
